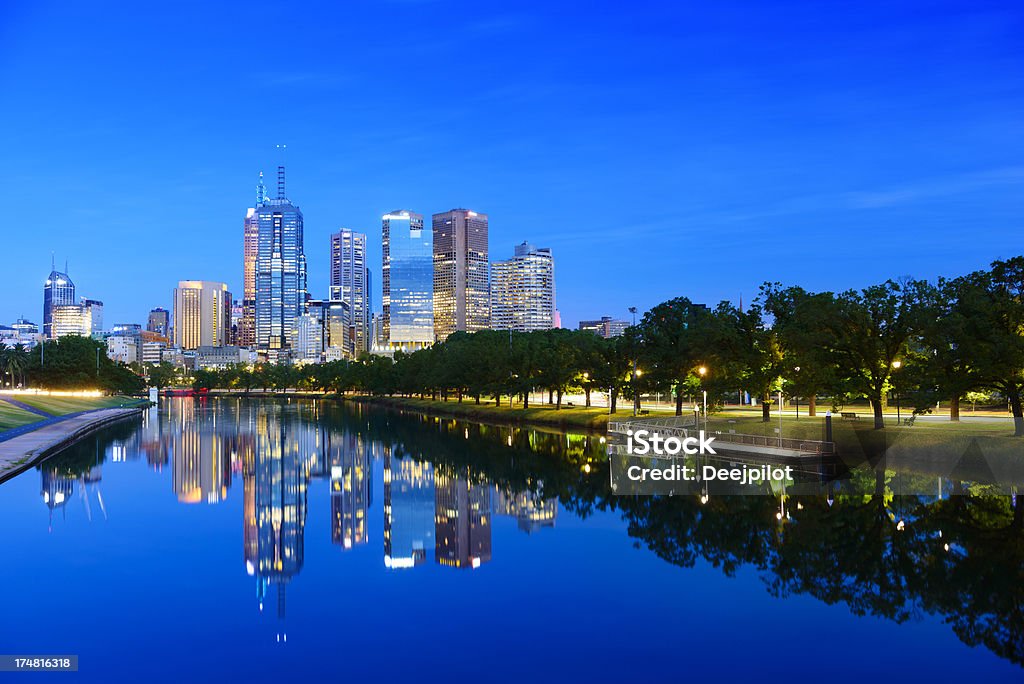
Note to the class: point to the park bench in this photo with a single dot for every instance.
(848, 415)
(644, 412)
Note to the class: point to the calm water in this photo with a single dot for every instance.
(239, 540)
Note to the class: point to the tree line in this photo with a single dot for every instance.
(923, 341)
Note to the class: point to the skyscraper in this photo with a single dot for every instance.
(607, 327)
(407, 278)
(280, 272)
(159, 322)
(250, 249)
(462, 295)
(462, 520)
(523, 290)
(350, 283)
(202, 314)
(59, 290)
(92, 309)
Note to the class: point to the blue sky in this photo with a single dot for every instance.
(660, 149)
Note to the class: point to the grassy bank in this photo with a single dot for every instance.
(577, 417)
(13, 416)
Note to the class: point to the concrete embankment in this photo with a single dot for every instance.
(24, 451)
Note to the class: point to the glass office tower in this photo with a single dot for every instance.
(58, 290)
(350, 284)
(280, 272)
(408, 280)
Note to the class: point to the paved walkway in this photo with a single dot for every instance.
(27, 448)
(25, 407)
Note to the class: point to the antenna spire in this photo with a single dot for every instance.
(261, 192)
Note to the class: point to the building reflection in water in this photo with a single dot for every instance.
(275, 482)
(201, 455)
(351, 488)
(531, 511)
(462, 519)
(408, 510)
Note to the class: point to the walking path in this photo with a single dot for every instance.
(32, 443)
(25, 407)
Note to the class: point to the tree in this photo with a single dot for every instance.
(857, 334)
(672, 343)
(162, 375)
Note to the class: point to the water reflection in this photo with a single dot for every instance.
(889, 540)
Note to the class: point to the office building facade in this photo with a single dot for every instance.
(523, 290)
(280, 272)
(606, 327)
(202, 314)
(58, 290)
(350, 283)
(462, 297)
(407, 320)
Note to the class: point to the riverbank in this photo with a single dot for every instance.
(575, 417)
(23, 451)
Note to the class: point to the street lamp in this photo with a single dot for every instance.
(796, 399)
(896, 366)
(636, 395)
(703, 371)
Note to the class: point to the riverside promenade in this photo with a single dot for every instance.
(25, 450)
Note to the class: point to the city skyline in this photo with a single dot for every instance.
(775, 143)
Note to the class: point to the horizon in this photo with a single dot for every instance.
(699, 153)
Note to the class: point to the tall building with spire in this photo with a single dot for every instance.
(462, 293)
(59, 290)
(250, 250)
(280, 275)
(350, 283)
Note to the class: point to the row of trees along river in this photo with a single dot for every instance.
(927, 341)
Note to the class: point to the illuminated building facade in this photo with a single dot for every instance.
(523, 290)
(350, 283)
(246, 332)
(280, 272)
(202, 314)
(408, 302)
(159, 322)
(606, 327)
(462, 294)
(58, 290)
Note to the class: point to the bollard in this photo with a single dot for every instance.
(828, 426)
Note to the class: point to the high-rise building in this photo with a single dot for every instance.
(523, 290)
(246, 332)
(351, 490)
(407, 278)
(69, 319)
(462, 295)
(93, 309)
(59, 290)
(202, 314)
(350, 283)
(607, 327)
(280, 272)
(159, 322)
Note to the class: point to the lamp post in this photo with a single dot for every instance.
(896, 366)
(636, 373)
(703, 371)
(796, 399)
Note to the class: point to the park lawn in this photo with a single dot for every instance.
(12, 416)
(59, 406)
(541, 414)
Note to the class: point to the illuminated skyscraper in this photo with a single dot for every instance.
(408, 511)
(523, 290)
(59, 290)
(246, 332)
(350, 283)
(202, 314)
(407, 276)
(462, 294)
(280, 272)
(462, 520)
